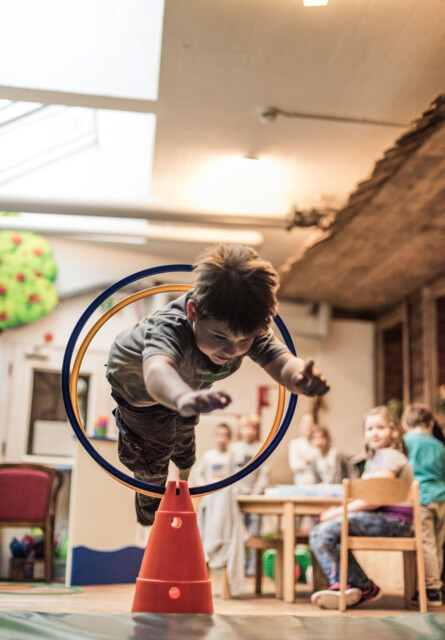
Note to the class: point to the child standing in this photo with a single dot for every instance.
(219, 520)
(330, 465)
(216, 463)
(427, 459)
(161, 369)
(302, 453)
(243, 450)
(386, 459)
(255, 483)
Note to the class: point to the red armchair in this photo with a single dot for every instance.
(28, 495)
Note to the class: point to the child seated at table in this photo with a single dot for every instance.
(330, 465)
(386, 459)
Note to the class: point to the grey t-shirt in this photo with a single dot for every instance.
(391, 460)
(169, 332)
(395, 461)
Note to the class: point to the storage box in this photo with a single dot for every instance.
(24, 569)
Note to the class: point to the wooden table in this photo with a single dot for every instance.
(288, 507)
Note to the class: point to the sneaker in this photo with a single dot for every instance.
(330, 598)
(433, 596)
(373, 593)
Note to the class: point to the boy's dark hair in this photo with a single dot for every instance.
(234, 285)
(417, 415)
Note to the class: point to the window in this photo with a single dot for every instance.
(49, 430)
(392, 357)
(35, 138)
(105, 47)
(392, 339)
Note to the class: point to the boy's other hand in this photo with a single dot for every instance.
(192, 404)
(310, 382)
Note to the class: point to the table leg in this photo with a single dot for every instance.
(288, 552)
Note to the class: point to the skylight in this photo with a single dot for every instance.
(35, 135)
(11, 111)
(55, 50)
(105, 47)
(76, 153)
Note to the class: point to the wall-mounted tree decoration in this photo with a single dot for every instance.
(27, 274)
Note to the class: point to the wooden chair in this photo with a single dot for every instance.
(261, 544)
(385, 492)
(28, 495)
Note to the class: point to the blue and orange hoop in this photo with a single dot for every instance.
(70, 377)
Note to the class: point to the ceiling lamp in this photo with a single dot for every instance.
(315, 3)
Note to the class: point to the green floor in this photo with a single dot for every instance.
(24, 625)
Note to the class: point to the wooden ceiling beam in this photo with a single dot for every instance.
(389, 239)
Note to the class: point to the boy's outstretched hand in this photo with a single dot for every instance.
(310, 382)
(196, 402)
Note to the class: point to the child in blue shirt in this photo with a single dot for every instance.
(426, 456)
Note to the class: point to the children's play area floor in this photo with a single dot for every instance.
(103, 613)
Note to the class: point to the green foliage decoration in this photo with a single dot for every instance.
(27, 274)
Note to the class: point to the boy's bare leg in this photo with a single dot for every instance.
(184, 474)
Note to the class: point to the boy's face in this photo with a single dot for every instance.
(215, 340)
(222, 439)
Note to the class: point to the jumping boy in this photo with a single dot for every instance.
(161, 370)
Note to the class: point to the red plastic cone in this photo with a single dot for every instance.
(173, 577)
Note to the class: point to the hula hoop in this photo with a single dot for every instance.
(69, 386)
(117, 307)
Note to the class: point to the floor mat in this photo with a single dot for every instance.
(24, 625)
(37, 589)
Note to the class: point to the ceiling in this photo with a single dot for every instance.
(387, 242)
(223, 63)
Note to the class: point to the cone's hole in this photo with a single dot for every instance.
(176, 522)
(174, 593)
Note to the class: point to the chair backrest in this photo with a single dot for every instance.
(383, 492)
(27, 492)
(379, 491)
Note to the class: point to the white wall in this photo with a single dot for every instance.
(82, 264)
